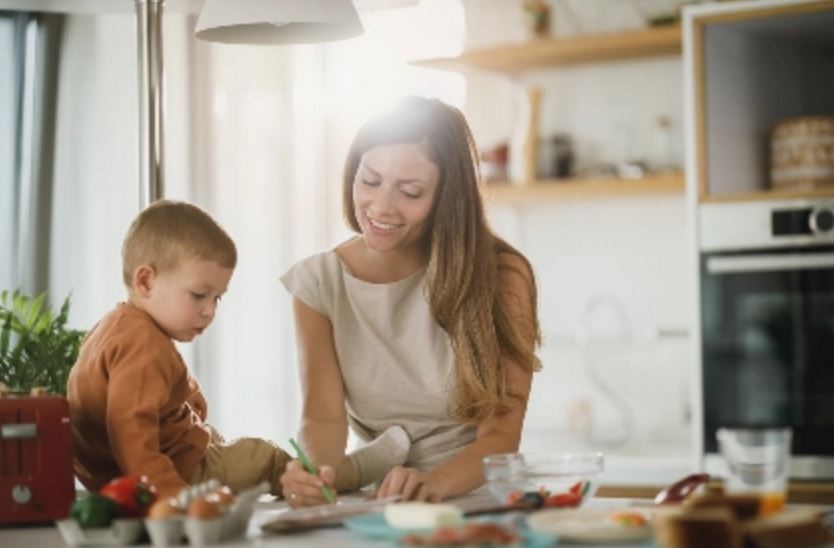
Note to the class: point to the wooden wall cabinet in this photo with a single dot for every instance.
(749, 65)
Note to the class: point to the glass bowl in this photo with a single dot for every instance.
(562, 480)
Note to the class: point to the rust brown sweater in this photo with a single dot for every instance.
(134, 407)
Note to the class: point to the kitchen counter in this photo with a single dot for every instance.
(47, 536)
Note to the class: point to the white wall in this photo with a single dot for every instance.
(628, 253)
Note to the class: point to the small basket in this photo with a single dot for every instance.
(802, 153)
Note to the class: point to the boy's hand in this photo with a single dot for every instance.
(303, 489)
(196, 399)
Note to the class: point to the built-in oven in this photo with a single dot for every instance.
(767, 325)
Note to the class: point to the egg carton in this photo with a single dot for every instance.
(174, 530)
(122, 531)
(199, 532)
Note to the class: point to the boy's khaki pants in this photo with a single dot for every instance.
(244, 463)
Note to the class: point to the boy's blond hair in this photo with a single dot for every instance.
(168, 233)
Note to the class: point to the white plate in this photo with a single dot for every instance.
(591, 525)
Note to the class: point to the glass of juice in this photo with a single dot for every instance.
(758, 462)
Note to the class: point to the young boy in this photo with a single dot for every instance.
(134, 406)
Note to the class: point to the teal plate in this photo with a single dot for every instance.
(375, 526)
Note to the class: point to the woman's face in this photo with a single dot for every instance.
(393, 193)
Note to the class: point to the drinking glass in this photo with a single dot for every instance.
(758, 460)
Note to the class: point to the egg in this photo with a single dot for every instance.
(223, 496)
(202, 508)
(164, 509)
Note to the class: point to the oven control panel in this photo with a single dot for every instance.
(734, 226)
(817, 220)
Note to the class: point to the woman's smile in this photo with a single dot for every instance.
(383, 226)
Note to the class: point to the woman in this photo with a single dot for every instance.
(426, 320)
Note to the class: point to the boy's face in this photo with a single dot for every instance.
(183, 301)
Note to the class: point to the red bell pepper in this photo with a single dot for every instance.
(133, 494)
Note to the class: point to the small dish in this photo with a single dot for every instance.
(592, 525)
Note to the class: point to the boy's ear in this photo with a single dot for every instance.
(143, 279)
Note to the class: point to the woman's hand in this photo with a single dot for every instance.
(301, 488)
(412, 485)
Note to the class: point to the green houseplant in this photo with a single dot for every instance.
(37, 349)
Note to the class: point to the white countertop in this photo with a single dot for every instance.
(47, 536)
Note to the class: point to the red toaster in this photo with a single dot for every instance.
(36, 476)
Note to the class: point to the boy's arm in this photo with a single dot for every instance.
(197, 400)
(139, 386)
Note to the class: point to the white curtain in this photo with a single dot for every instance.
(28, 69)
(9, 78)
(238, 145)
(258, 146)
(96, 191)
(257, 137)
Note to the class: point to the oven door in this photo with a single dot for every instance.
(768, 348)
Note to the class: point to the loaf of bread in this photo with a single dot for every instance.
(716, 527)
(789, 529)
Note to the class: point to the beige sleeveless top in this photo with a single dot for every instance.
(396, 362)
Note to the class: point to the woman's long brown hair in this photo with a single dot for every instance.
(466, 260)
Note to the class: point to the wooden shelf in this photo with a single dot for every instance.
(566, 189)
(549, 52)
(763, 195)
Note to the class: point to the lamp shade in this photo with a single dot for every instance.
(277, 21)
(95, 7)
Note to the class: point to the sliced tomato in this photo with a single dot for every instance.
(576, 488)
(563, 500)
(514, 497)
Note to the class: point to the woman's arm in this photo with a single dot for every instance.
(498, 434)
(323, 432)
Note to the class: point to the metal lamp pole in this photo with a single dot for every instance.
(151, 114)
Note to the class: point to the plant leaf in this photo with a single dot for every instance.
(36, 347)
(34, 311)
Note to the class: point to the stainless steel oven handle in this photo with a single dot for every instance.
(729, 264)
